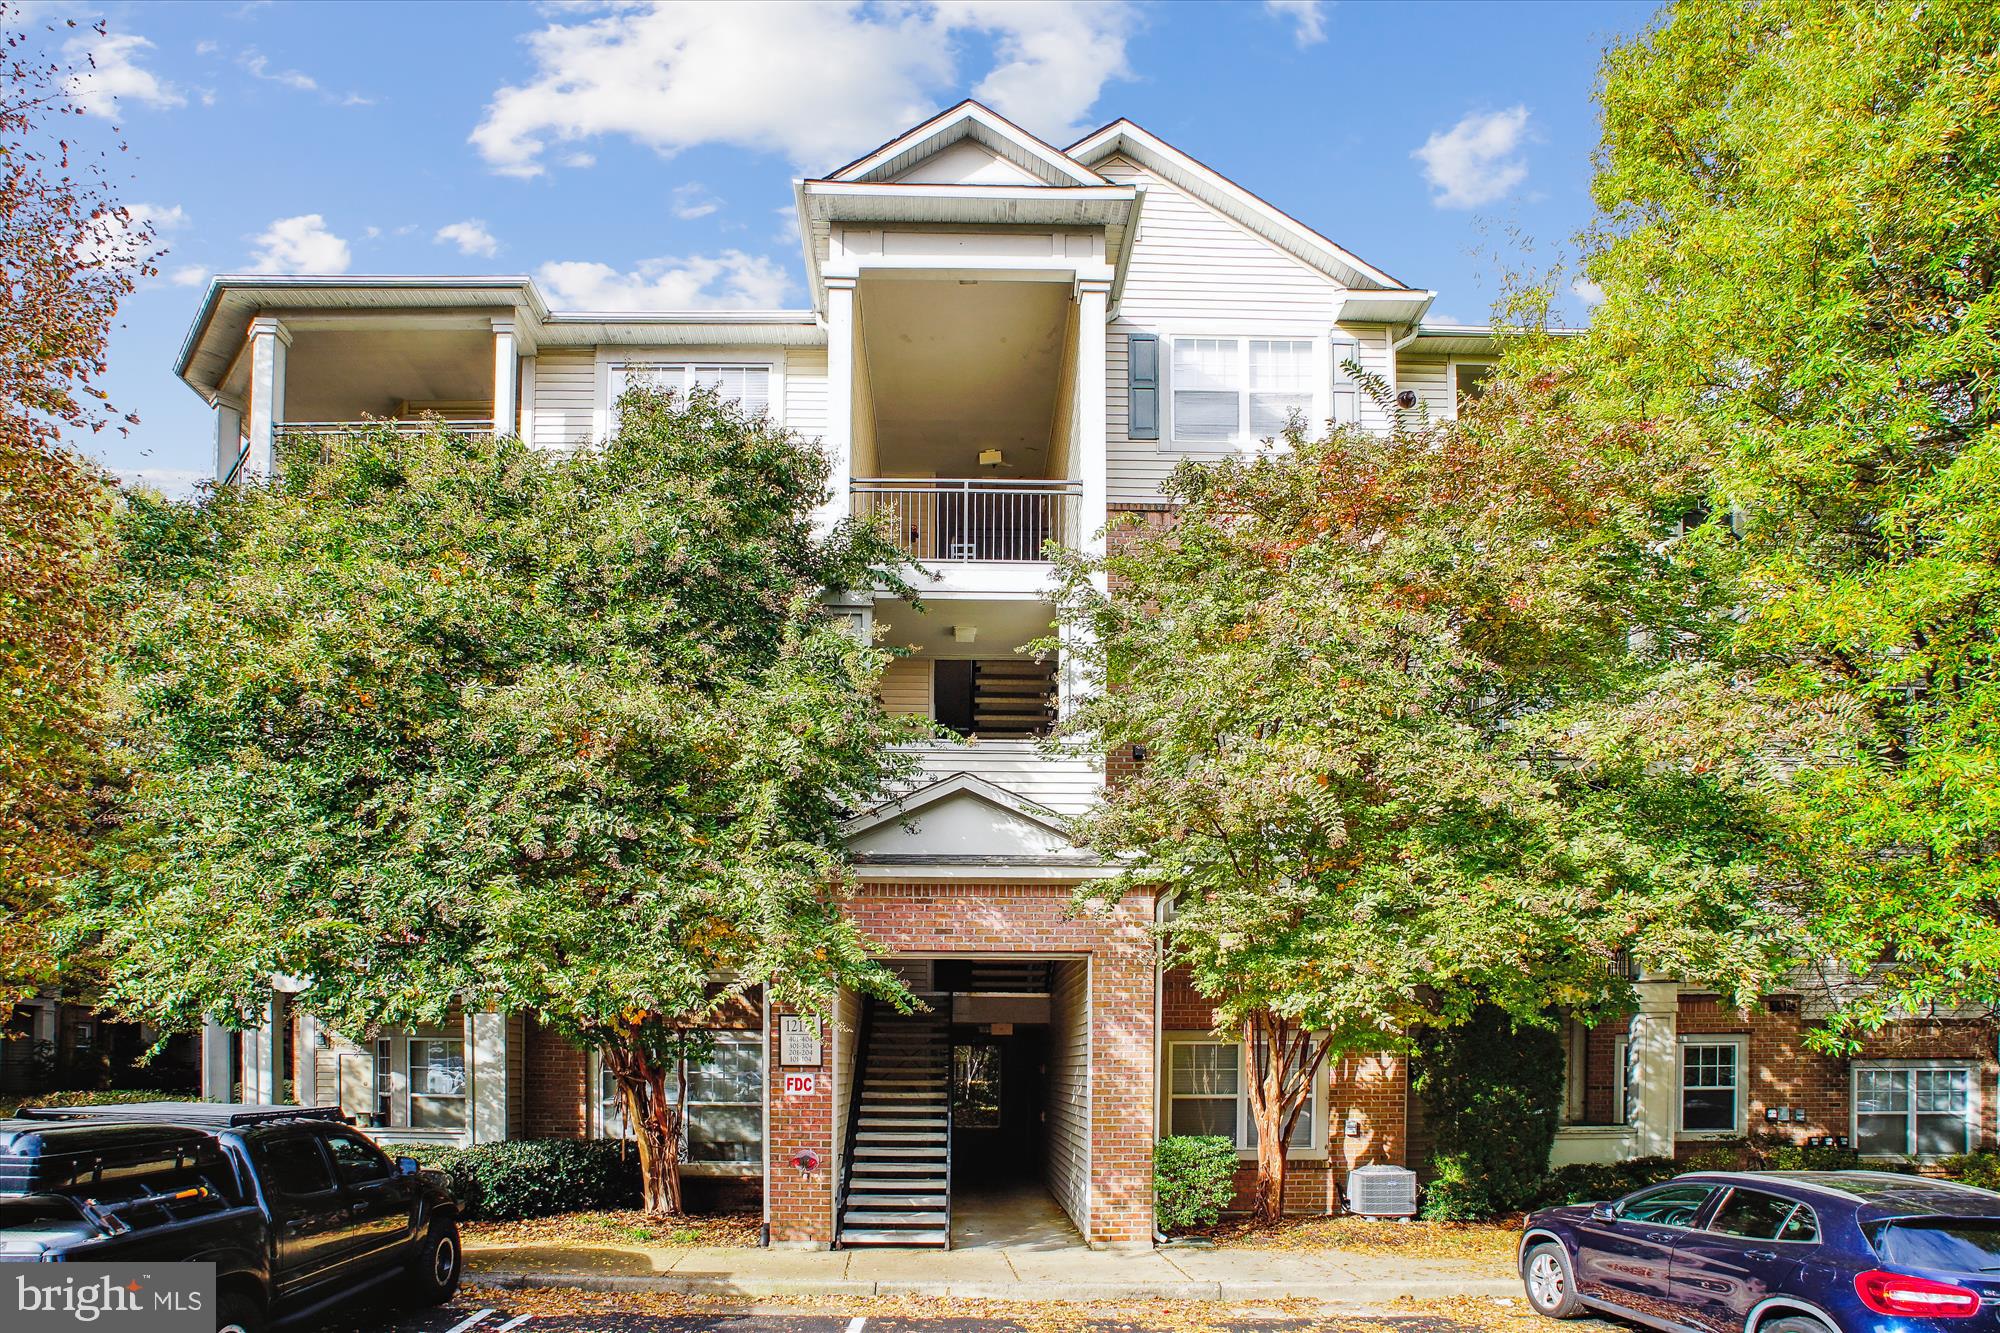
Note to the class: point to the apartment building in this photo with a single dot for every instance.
(1007, 343)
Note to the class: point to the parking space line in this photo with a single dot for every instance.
(856, 1324)
(464, 1324)
(515, 1322)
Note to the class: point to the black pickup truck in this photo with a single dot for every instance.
(300, 1213)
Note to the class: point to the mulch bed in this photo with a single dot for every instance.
(630, 1227)
(1473, 1241)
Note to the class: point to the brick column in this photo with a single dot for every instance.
(1121, 1091)
(801, 1206)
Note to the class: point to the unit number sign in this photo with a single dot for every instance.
(798, 1041)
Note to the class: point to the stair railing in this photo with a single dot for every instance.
(849, 1145)
(950, 1109)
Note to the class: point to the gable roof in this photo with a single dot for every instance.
(965, 824)
(1211, 187)
(981, 124)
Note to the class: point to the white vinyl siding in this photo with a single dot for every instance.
(1915, 1108)
(805, 391)
(1430, 378)
(1066, 1091)
(905, 686)
(565, 397)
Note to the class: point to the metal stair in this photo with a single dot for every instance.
(898, 1187)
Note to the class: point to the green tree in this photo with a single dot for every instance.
(1398, 697)
(1799, 242)
(432, 721)
(69, 253)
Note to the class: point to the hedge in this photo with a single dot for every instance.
(499, 1182)
(1194, 1178)
(1492, 1095)
(94, 1097)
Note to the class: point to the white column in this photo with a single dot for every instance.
(218, 1064)
(840, 334)
(1655, 1053)
(264, 1069)
(506, 378)
(305, 1084)
(268, 344)
(1089, 442)
(486, 1039)
(228, 436)
(528, 401)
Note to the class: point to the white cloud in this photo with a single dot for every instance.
(731, 280)
(300, 245)
(470, 236)
(693, 201)
(1587, 292)
(832, 79)
(258, 66)
(1477, 160)
(189, 275)
(111, 78)
(1307, 17)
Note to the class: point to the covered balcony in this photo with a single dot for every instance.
(965, 419)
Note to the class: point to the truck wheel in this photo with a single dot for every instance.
(237, 1313)
(437, 1265)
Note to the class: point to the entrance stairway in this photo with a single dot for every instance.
(898, 1189)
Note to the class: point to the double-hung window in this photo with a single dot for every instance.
(1230, 391)
(1915, 1109)
(437, 1083)
(1208, 1092)
(725, 1098)
(748, 385)
(1711, 1085)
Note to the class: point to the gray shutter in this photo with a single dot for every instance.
(1142, 381)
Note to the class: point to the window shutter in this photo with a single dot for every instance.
(1142, 379)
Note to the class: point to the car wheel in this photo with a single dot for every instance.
(1793, 1323)
(1545, 1271)
(237, 1313)
(438, 1265)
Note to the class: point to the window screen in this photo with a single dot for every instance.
(1207, 388)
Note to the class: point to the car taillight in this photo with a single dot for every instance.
(1900, 1293)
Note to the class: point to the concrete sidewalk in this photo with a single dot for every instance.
(993, 1272)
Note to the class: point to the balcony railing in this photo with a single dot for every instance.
(400, 425)
(972, 519)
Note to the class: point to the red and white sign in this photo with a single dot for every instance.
(800, 1085)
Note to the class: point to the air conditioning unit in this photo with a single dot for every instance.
(1382, 1191)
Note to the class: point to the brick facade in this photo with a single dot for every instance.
(1782, 1071)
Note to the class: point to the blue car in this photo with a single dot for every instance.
(1775, 1252)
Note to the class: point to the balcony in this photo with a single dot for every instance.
(958, 521)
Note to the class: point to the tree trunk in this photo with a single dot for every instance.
(654, 1121)
(1283, 1061)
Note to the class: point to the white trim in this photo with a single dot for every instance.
(1975, 1123)
(957, 124)
(1320, 387)
(1451, 365)
(1741, 1044)
(1314, 1150)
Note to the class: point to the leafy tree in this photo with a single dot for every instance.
(1799, 242)
(432, 721)
(68, 255)
(1398, 699)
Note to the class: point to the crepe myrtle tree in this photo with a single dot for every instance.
(1398, 696)
(435, 720)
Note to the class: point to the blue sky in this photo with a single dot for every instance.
(643, 154)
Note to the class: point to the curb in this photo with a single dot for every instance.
(1358, 1292)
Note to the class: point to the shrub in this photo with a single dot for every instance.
(1726, 1155)
(1981, 1169)
(533, 1177)
(1492, 1092)
(1595, 1182)
(1194, 1178)
(1805, 1157)
(97, 1097)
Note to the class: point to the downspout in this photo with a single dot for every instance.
(764, 1231)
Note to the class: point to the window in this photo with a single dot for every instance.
(1914, 1110)
(1711, 1086)
(1208, 1093)
(437, 1083)
(1667, 1206)
(747, 385)
(385, 1080)
(725, 1103)
(293, 1166)
(1468, 381)
(1755, 1215)
(1627, 1091)
(1238, 390)
(356, 1160)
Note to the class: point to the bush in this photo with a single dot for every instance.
(499, 1182)
(1492, 1094)
(1597, 1182)
(1980, 1169)
(1194, 1178)
(1804, 1157)
(96, 1097)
